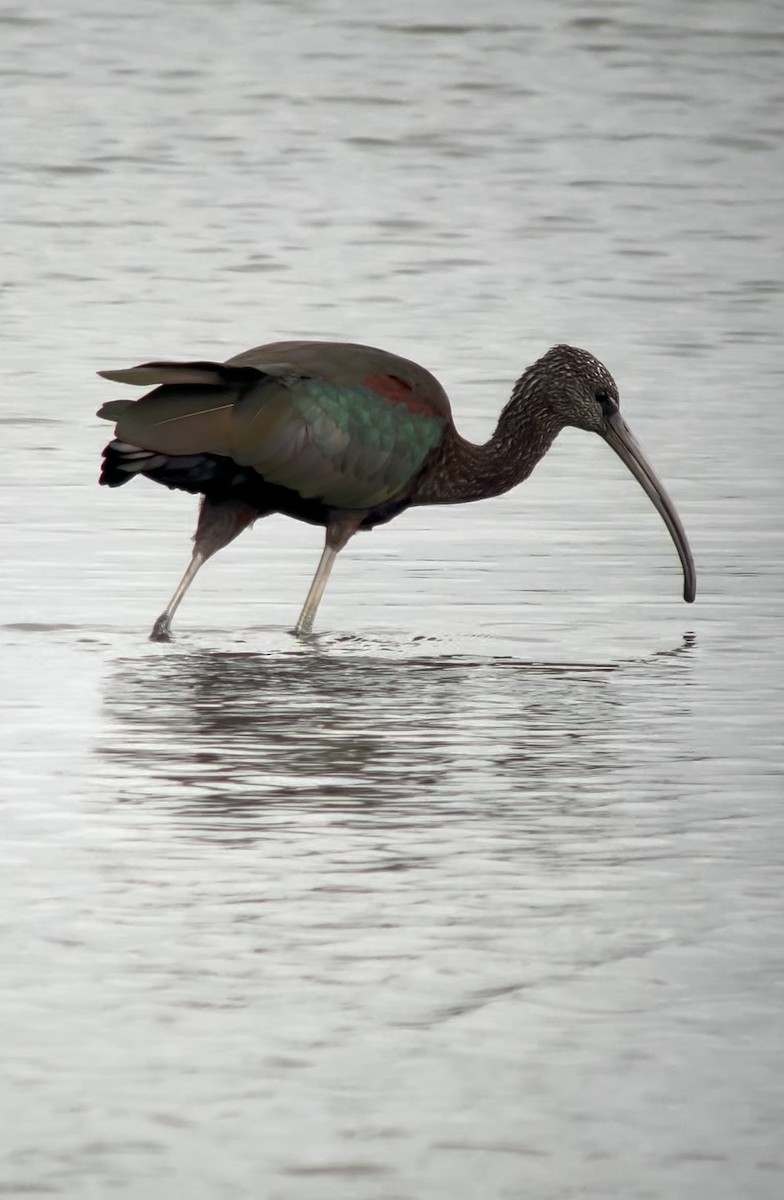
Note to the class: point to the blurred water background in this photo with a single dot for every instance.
(477, 894)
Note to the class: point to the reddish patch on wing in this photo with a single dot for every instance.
(397, 392)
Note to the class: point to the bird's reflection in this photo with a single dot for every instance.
(230, 734)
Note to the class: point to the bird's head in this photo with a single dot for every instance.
(576, 389)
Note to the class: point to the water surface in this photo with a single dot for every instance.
(476, 893)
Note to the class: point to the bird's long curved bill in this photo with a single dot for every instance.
(618, 435)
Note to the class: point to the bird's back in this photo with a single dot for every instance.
(351, 364)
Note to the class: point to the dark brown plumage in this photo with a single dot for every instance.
(346, 436)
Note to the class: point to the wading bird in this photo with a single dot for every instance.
(346, 436)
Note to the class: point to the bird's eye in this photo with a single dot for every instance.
(608, 405)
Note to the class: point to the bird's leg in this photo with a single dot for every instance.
(339, 530)
(220, 521)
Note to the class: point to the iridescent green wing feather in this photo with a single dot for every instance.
(344, 444)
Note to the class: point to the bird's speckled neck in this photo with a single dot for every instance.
(462, 471)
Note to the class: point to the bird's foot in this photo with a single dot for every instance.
(161, 630)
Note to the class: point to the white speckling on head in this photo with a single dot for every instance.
(567, 381)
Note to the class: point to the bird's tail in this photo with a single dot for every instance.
(187, 472)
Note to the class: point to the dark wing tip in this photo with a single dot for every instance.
(112, 409)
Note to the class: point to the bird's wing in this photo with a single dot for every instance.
(351, 443)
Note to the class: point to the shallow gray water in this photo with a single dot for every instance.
(478, 893)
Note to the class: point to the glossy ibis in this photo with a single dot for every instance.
(346, 436)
